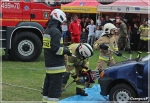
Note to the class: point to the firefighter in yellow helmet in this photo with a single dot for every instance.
(106, 43)
(76, 64)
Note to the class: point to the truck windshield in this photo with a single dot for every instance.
(49, 2)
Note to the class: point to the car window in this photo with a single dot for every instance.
(146, 58)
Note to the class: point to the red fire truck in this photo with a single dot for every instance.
(22, 25)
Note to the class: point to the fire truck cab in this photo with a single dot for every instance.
(22, 25)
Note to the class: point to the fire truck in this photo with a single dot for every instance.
(22, 25)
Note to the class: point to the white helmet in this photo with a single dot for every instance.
(108, 27)
(85, 50)
(59, 15)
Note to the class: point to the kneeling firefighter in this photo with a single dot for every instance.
(106, 44)
(76, 64)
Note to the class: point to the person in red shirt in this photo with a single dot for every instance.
(75, 30)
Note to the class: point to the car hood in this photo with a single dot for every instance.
(124, 69)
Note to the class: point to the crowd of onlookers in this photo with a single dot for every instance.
(86, 30)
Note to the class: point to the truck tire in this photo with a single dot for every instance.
(26, 46)
(121, 92)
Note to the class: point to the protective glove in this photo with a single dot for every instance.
(103, 46)
(118, 54)
(84, 69)
(75, 77)
(67, 51)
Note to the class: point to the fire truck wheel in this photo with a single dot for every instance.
(26, 46)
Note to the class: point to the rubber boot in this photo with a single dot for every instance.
(81, 92)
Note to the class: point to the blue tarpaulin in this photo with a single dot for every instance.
(93, 96)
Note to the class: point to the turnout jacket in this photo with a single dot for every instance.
(144, 32)
(108, 40)
(72, 61)
(75, 28)
(53, 48)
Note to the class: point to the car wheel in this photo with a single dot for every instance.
(121, 92)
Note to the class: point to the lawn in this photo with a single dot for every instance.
(26, 78)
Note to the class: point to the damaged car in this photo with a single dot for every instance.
(126, 81)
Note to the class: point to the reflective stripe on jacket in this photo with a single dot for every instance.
(110, 42)
(144, 32)
(145, 38)
(53, 51)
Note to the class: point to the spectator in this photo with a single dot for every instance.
(123, 40)
(137, 19)
(102, 20)
(68, 32)
(98, 33)
(75, 30)
(87, 22)
(98, 22)
(114, 22)
(91, 36)
(106, 21)
(117, 34)
(83, 36)
(149, 22)
(131, 25)
(78, 19)
(83, 23)
(64, 29)
(134, 37)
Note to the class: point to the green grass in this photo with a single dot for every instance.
(31, 75)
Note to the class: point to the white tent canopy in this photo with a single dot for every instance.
(122, 6)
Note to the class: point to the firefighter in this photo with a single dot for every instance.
(144, 31)
(106, 43)
(124, 37)
(75, 30)
(76, 64)
(54, 57)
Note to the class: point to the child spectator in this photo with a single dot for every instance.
(116, 35)
(98, 33)
(64, 29)
(83, 36)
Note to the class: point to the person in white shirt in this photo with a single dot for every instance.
(149, 22)
(91, 36)
(64, 29)
(98, 22)
(98, 33)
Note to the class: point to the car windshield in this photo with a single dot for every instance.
(146, 58)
